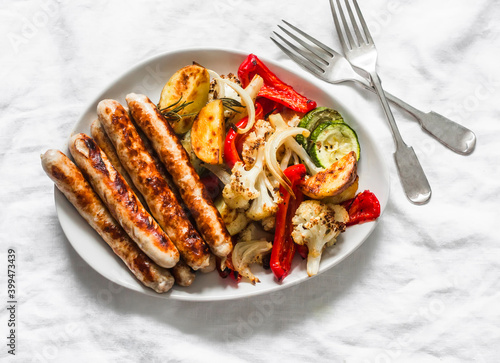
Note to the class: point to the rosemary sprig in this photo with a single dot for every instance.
(231, 104)
(171, 112)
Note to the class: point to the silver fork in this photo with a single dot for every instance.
(360, 51)
(331, 66)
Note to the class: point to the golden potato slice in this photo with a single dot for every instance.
(332, 181)
(207, 133)
(347, 194)
(188, 84)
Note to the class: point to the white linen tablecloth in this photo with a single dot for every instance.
(423, 288)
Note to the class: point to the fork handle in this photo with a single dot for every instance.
(411, 174)
(451, 134)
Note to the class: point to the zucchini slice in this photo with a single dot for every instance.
(330, 142)
(316, 117)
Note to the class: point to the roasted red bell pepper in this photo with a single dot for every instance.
(231, 155)
(269, 106)
(364, 207)
(273, 88)
(283, 246)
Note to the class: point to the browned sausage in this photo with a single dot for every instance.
(122, 202)
(176, 160)
(70, 181)
(147, 178)
(102, 140)
(211, 266)
(183, 274)
(159, 165)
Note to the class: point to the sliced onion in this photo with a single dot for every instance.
(269, 186)
(272, 146)
(272, 164)
(286, 158)
(246, 253)
(245, 97)
(280, 125)
(253, 89)
(219, 171)
(303, 155)
(221, 92)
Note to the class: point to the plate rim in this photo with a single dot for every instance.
(140, 288)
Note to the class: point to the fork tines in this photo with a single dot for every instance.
(345, 32)
(312, 55)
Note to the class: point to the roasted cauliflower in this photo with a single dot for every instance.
(317, 226)
(251, 186)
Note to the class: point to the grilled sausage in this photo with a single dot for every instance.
(211, 266)
(183, 274)
(70, 181)
(147, 178)
(122, 202)
(102, 140)
(177, 163)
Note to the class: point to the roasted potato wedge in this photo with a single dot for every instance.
(207, 133)
(332, 181)
(347, 194)
(188, 84)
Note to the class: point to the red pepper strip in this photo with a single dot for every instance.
(364, 207)
(283, 246)
(273, 88)
(231, 155)
(270, 106)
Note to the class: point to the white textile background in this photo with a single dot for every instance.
(423, 288)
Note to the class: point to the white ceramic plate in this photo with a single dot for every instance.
(148, 78)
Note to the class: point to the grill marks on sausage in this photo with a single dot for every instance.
(145, 221)
(125, 196)
(143, 264)
(177, 163)
(85, 200)
(69, 179)
(95, 156)
(150, 180)
(59, 174)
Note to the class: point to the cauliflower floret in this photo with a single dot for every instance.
(252, 185)
(242, 188)
(268, 223)
(254, 140)
(235, 220)
(317, 225)
(253, 232)
(223, 90)
(266, 204)
(244, 185)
